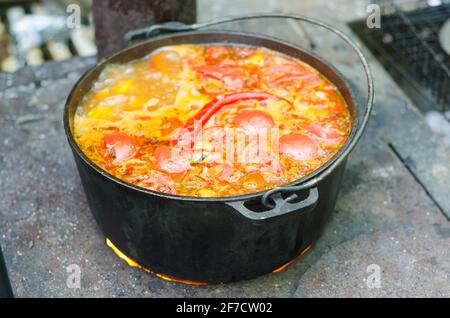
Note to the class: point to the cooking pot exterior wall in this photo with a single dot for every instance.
(205, 240)
(201, 241)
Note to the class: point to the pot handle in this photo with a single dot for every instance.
(277, 205)
(155, 29)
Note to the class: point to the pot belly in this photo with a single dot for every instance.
(201, 241)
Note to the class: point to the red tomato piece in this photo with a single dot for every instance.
(231, 77)
(120, 146)
(270, 164)
(277, 72)
(168, 160)
(159, 181)
(253, 80)
(299, 146)
(324, 134)
(254, 120)
(226, 173)
(244, 51)
(290, 73)
(215, 54)
(265, 161)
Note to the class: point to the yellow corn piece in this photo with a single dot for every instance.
(256, 59)
(135, 104)
(105, 113)
(123, 86)
(101, 94)
(207, 193)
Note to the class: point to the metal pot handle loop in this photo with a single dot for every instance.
(280, 206)
(155, 29)
(269, 197)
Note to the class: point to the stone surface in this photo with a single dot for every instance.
(384, 216)
(113, 18)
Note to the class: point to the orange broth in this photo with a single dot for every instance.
(211, 121)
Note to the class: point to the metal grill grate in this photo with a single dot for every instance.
(409, 39)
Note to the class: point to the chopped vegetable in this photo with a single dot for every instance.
(215, 54)
(120, 147)
(254, 120)
(299, 147)
(207, 111)
(324, 134)
(231, 77)
(211, 120)
(169, 160)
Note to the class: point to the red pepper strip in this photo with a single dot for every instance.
(208, 110)
(217, 104)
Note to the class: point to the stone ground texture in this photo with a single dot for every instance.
(386, 213)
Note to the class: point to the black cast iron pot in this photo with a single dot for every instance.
(215, 240)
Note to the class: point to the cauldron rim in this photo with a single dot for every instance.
(311, 179)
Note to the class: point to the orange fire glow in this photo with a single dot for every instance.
(121, 255)
(279, 269)
(133, 263)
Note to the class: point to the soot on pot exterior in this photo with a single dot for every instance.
(212, 240)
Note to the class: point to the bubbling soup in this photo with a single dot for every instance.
(211, 120)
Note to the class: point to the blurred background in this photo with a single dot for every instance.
(32, 32)
(413, 42)
(35, 31)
